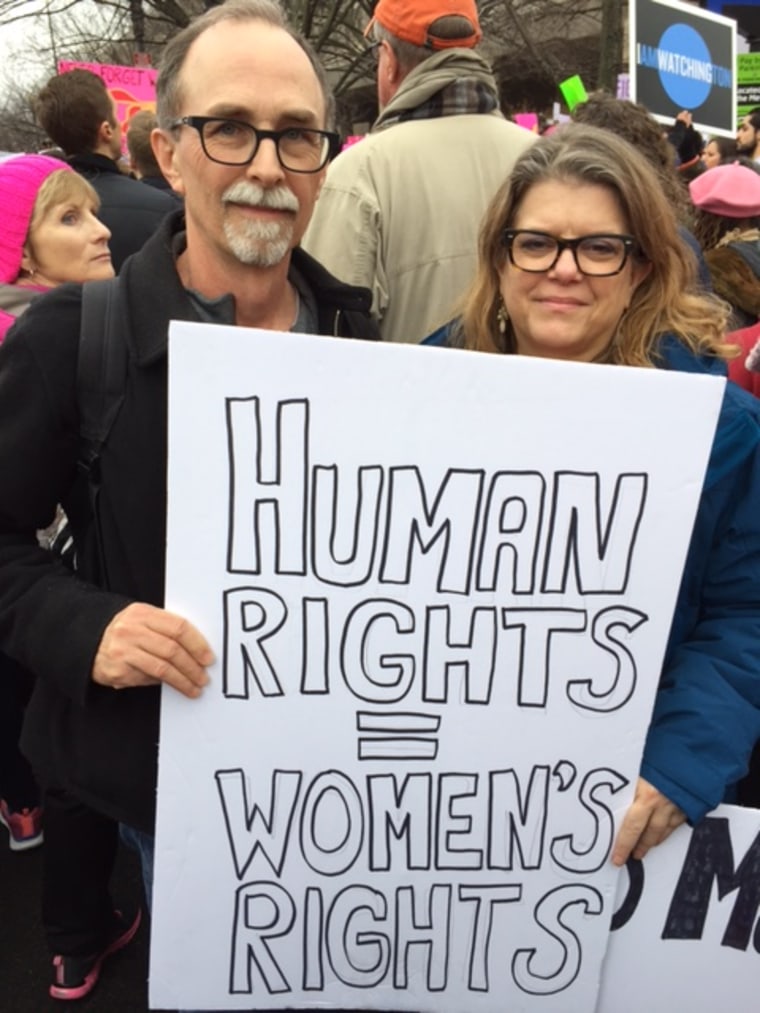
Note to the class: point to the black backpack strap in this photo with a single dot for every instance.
(101, 369)
(101, 388)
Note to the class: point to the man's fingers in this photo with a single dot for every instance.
(175, 629)
(147, 670)
(187, 679)
(159, 657)
(181, 631)
(143, 645)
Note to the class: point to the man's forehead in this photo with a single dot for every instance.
(224, 63)
(229, 42)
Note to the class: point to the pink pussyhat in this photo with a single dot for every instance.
(20, 180)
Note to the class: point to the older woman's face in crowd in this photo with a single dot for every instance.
(69, 243)
(561, 313)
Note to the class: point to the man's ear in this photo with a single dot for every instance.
(105, 133)
(392, 66)
(165, 148)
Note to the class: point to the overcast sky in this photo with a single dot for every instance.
(16, 41)
(20, 38)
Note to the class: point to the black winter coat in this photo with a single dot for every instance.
(131, 211)
(97, 742)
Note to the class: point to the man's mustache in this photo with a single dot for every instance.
(278, 198)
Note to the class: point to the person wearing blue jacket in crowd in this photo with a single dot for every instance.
(580, 259)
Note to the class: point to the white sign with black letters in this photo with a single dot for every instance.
(439, 586)
(686, 929)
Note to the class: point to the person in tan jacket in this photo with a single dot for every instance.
(400, 210)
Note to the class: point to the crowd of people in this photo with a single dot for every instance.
(609, 240)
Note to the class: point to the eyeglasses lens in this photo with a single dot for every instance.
(594, 255)
(233, 143)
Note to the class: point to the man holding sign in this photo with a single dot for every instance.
(244, 115)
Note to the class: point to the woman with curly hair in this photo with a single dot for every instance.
(727, 226)
(580, 259)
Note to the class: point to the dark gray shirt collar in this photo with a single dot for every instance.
(222, 309)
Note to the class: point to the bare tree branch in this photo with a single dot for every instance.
(540, 56)
(533, 44)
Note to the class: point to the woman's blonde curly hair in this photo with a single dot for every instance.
(666, 302)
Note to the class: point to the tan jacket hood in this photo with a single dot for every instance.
(432, 75)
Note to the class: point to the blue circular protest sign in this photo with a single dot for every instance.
(684, 58)
(686, 73)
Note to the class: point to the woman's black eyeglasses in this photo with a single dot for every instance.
(598, 255)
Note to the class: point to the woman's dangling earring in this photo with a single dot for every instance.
(501, 318)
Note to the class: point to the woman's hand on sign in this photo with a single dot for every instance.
(650, 819)
(144, 645)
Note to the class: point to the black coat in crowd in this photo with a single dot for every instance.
(131, 211)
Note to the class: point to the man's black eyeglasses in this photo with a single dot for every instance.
(233, 142)
(598, 255)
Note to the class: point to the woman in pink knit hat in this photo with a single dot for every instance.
(727, 226)
(727, 199)
(49, 232)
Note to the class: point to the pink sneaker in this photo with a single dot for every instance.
(76, 977)
(24, 827)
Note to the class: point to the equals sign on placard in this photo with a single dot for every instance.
(401, 735)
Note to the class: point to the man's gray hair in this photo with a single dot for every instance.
(168, 89)
(410, 56)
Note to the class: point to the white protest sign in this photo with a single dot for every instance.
(439, 586)
(689, 936)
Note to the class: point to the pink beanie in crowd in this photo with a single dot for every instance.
(20, 180)
(729, 191)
